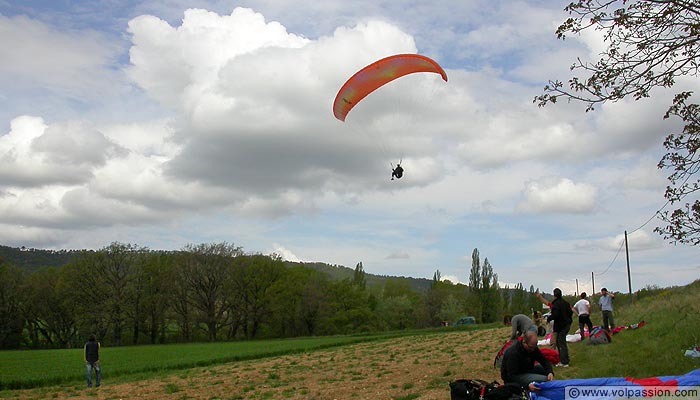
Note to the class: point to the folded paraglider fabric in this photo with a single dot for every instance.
(576, 337)
(557, 390)
(551, 355)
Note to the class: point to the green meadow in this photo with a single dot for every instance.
(34, 368)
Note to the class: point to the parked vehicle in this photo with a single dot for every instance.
(465, 321)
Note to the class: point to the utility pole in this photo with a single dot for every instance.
(629, 278)
(593, 283)
(576, 286)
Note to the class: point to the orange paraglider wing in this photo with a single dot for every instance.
(377, 74)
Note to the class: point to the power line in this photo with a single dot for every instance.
(652, 217)
(638, 228)
(656, 213)
(613, 260)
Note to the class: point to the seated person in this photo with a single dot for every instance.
(537, 318)
(518, 364)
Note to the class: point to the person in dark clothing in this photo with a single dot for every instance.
(518, 365)
(397, 172)
(561, 315)
(92, 360)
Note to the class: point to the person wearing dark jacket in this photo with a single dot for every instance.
(518, 365)
(397, 172)
(561, 315)
(92, 360)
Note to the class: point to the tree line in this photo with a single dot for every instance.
(127, 294)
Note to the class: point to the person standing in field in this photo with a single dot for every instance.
(92, 360)
(583, 309)
(561, 315)
(606, 305)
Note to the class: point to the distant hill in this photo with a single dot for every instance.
(339, 272)
(31, 260)
(35, 259)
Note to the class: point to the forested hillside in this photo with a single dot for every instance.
(31, 259)
(339, 272)
(127, 294)
(35, 259)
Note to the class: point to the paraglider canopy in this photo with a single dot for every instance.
(377, 74)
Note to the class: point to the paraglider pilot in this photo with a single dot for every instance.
(397, 172)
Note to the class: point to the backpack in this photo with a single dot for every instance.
(477, 389)
(599, 336)
(470, 389)
(508, 391)
(499, 356)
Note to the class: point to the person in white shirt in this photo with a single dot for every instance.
(583, 309)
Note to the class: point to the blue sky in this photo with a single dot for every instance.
(168, 123)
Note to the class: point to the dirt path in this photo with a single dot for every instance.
(417, 367)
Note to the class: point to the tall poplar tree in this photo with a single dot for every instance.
(490, 297)
(474, 287)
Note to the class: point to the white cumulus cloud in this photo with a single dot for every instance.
(558, 196)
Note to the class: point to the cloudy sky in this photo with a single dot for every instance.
(165, 123)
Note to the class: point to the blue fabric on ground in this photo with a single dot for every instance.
(556, 390)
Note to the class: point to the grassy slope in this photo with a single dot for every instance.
(673, 325)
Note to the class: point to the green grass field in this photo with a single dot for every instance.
(23, 369)
(35, 368)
